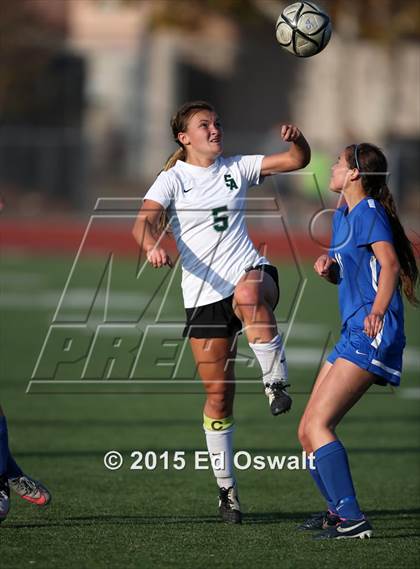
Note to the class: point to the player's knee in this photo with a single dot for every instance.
(220, 403)
(247, 297)
(304, 438)
(312, 425)
(316, 423)
(302, 435)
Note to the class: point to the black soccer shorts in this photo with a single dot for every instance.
(218, 319)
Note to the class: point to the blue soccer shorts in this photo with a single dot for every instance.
(381, 355)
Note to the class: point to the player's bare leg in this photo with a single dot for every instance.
(337, 389)
(340, 389)
(329, 517)
(303, 438)
(215, 358)
(254, 298)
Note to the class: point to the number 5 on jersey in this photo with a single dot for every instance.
(220, 222)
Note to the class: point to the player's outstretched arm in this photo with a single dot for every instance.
(144, 233)
(298, 156)
(327, 268)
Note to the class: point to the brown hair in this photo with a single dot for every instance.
(372, 164)
(179, 123)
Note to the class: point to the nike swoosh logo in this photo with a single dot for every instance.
(186, 191)
(41, 501)
(346, 530)
(360, 353)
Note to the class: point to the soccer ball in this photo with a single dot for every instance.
(303, 29)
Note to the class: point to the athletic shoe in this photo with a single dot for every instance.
(322, 520)
(4, 498)
(346, 530)
(30, 490)
(278, 398)
(229, 507)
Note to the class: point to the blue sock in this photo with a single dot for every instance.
(333, 468)
(8, 466)
(4, 446)
(321, 487)
(13, 469)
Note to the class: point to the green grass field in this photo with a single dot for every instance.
(168, 518)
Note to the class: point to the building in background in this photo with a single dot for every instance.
(88, 115)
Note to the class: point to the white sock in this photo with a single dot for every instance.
(220, 445)
(272, 360)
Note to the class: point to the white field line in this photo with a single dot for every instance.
(81, 298)
(12, 278)
(300, 357)
(78, 298)
(409, 392)
(128, 301)
(300, 330)
(307, 330)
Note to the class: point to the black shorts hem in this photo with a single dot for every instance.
(218, 319)
(214, 320)
(207, 332)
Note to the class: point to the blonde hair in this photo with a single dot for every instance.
(179, 123)
(179, 154)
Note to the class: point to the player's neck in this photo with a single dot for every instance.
(353, 197)
(200, 160)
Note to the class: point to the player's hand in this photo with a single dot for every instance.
(373, 324)
(323, 264)
(290, 133)
(158, 257)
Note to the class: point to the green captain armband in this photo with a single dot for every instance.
(218, 424)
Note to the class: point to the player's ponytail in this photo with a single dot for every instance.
(179, 123)
(403, 247)
(179, 154)
(372, 164)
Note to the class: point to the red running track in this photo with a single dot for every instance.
(105, 235)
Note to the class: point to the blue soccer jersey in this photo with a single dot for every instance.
(352, 237)
(353, 234)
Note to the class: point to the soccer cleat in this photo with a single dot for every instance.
(322, 520)
(229, 507)
(347, 529)
(278, 398)
(30, 490)
(4, 498)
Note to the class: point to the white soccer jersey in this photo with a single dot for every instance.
(206, 210)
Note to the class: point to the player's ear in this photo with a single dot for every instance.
(354, 174)
(183, 138)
